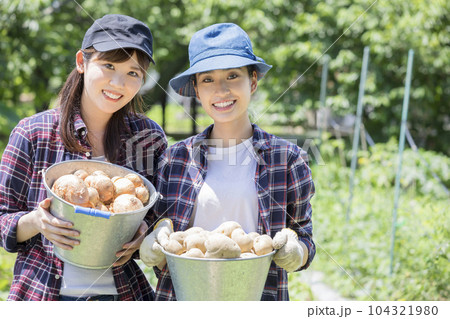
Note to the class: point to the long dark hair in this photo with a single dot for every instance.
(70, 104)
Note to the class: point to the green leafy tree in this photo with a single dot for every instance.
(36, 54)
(39, 40)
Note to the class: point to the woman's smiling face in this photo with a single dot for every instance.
(109, 86)
(225, 94)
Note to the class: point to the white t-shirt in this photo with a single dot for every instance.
(83, 282)
(229, 190)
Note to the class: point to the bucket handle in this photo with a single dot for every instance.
(92, 212)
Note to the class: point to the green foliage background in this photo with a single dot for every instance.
(355, 254)
(39, 40)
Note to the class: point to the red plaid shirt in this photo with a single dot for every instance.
(285, 188)
(35, 145)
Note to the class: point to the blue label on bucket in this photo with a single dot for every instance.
(92, 212)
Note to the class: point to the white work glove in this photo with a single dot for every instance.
(151, 250)
(290, 253)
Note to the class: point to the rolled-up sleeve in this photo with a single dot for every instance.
(15, 172)
(300, 190)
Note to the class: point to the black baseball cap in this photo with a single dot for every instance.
(117, 31)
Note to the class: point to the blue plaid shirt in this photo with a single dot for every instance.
(285, 187)
(35, 145)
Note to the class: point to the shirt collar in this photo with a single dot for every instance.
(79, 126)
(261, 140)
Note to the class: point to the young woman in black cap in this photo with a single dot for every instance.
(97, 113)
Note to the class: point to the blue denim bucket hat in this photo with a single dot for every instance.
(219, 46)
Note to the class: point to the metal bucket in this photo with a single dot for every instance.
(238, 279)
(102, 234)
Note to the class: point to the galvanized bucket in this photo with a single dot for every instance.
(200, 279)
(102, 234)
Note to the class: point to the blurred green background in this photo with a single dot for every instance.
(39, 39)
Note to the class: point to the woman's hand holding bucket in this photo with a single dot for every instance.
(54, 229)
(129, 248)
(151, 250)
(291, 252)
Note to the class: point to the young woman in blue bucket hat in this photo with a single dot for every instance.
(233, 171)
(97, 114)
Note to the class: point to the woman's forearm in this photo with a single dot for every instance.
(26, 227)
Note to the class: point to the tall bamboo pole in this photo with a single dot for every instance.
(323, 89)
(400, 153)
(356, 132)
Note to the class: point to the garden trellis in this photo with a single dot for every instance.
(400, 153)
(362, 85)
(323, 88)
(361, 135)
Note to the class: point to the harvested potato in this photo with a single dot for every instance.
(72, 189)
(178, 236)
(205, 233)
(193, 230)
(99, 173)
(126, 203)
(220, 246)
(115, 178)
(81, 173)
(242, 239)
(142, 193)
(94, 197)
(248, 255)
(137, 181)
(99, 191)
(196, 240)
(103, 185)
(199, 243)
(102, 207)
(227, 228)
(123, 186)
(194, 252)
(174, 247)
(253, 235)
(262, 245)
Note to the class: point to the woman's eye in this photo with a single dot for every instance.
(109, 66)
(207, 80)
(232, 76)
(134, 74)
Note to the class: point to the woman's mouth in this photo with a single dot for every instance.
(112, 96)
(225, 105)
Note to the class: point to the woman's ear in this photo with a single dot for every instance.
(79, 61)
(194, 83)
(253, 82)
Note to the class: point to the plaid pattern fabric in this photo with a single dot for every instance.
(35, 145)
(284, 185)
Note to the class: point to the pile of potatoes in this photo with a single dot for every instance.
(118, 194)
(228, 240)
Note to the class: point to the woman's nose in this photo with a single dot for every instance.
(222, 87)
(117, 80)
